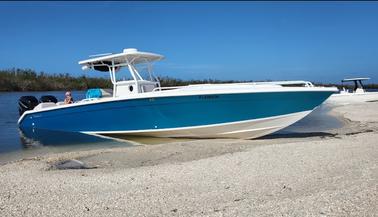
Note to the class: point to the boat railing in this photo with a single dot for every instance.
(281, 83)
(286, 83)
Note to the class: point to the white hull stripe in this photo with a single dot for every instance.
(204, 126)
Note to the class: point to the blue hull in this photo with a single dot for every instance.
(172, 112)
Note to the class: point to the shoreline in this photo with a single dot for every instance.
(327, 173)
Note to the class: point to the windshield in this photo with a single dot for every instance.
(123, 74)
(141, 71)
(145, 71)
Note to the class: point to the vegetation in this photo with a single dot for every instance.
(29, 80)
(171, 82)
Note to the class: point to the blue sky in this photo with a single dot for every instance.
(316, 41)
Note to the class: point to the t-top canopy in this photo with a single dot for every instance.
(354, 79)
(128, 56)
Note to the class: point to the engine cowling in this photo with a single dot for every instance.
(48, 98)
(26, 103)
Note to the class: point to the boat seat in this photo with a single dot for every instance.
(148, 87)
(44, 105)
(106, 92)
(96, 93)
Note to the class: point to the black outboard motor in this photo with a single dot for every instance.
(26, 103)
(48, 98)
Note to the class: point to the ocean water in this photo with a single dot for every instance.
(15, 145)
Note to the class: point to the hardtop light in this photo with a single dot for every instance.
(85, 67)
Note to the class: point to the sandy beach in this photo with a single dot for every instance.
(333, 173)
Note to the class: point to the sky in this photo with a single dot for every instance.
(315, 41)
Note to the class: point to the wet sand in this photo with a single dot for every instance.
(333, 173)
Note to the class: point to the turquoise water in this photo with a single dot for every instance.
(13, 145)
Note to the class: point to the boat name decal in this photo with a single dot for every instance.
(208, 97)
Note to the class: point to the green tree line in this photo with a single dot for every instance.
(28, 80)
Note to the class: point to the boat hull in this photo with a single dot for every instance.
(239, 115)
(352, 98)
(243, 129)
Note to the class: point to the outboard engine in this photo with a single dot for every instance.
(26, 103)
(48, 98)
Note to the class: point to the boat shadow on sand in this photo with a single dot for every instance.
(293, 135)
(32, 138)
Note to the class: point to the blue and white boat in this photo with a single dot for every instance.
(139, 106)
(357, 95)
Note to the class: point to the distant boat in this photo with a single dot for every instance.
(141, 107)
(357, 95)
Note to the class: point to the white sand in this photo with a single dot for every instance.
(335, 174)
